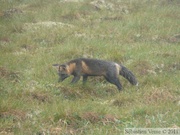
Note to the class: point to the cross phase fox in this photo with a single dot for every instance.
(92, 67)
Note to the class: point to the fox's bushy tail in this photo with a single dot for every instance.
(128, 75)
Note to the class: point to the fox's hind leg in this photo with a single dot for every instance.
(114, 80)
(85, 79)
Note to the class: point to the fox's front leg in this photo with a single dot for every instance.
(75, 79)
(85, 79)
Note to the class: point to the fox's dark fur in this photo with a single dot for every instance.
(93, 67)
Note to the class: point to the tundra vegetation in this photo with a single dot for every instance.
(143, 35)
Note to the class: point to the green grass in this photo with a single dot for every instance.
(142, 35)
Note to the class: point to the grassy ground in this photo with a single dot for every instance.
(142, 35)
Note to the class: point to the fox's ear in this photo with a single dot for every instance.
(56, 66)
(62, 67)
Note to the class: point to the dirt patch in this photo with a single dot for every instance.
(15, 117)
(14, 114)
(174, 66)
(123, 102)
(112, 18)
(94, 117)
(4, 72)
(118, 103)
(174, 39)
(143, 68)
(91, 116)
(70, 93)
(10, 75)
(10, 12)
(28, 47)
(158, 95)
(5, 40)
(6, 131)
(41, 97)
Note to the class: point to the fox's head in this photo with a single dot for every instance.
(62, 71)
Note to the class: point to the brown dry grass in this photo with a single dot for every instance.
(158, 95)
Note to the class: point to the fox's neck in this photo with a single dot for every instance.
(70, 68)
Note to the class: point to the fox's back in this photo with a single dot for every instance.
(94, 66)
(97, 64)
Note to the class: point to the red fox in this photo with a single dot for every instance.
(92, 67)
